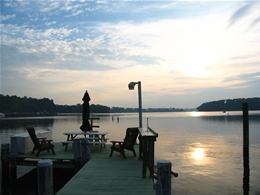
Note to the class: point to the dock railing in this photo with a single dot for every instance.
(147, 139)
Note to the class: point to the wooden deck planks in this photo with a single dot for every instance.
(59, 150)
(109, 176)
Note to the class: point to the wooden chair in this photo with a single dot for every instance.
(128, 143)
(40, 144)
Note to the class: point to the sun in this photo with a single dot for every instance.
(195, 64)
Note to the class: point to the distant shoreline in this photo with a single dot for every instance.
(111, 113)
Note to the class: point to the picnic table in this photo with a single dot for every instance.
(94, 138)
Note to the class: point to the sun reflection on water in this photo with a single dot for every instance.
(196, 114)
(198, 154)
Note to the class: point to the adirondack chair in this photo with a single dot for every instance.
(127, 143)
(40, 144)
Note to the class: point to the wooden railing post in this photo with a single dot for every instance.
(45, 177)
(163, 185)
(146, 149)
(145, 158)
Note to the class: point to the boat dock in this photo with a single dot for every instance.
(95, 171)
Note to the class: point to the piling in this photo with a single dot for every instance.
(85, 148)
(246, 149)
(245, 126)
(13, 173)
(45, 177)
(5, 165)
(163, 185)
(77, 154)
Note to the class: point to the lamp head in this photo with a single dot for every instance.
(131, 85)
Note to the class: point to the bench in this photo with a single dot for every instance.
(91, 141)
(94, 138)
(66, 143)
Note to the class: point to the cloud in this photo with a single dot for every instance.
(255, 22)
(10, 3)
(239, 14)
(49, 6)
(244, 80)
(180, 52)
(7, 17)
(50, 23)
(27, 32)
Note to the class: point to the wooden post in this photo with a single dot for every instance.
(140, 146)
(147, 138)
(5, 165)
(151, 156)
(145, 160)
(85, 150)
(45, 177)
(245, 126)
(246, 149)
(14, 147)
(77, 154)
(13, 170)
(163, 185)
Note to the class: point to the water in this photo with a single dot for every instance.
(206, 149)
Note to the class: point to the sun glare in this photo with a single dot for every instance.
(196, 114)
(195, 64)
(198, 154)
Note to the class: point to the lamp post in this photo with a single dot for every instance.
(131, 86)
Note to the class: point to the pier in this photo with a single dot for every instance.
(97, 174)
(110, 175)
(100, 175)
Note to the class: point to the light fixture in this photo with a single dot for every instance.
(131, 86)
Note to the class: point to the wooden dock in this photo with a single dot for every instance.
(110, 175)
(62, 159)
(100, 175)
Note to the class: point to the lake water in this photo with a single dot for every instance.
(206, 149)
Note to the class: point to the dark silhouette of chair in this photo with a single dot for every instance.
(40, 144)
(128, 143)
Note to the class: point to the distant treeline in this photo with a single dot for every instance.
(230, 105)
(13, 105)
(27, 106)
(120, 109)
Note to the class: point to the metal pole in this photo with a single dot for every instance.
(140, 104)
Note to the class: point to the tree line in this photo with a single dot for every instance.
(230, 104)
(13, 105)
(120, 109)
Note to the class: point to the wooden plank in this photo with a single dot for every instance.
(110, 176)
(59, 150)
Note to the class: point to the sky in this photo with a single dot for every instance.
(184, 53)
